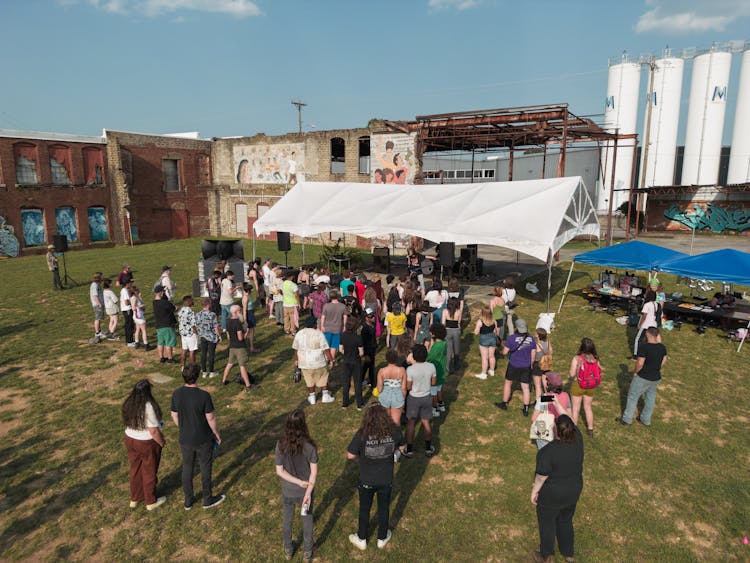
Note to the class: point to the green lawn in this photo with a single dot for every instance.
(679, 491)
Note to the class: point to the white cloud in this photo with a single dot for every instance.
(154, 8)
(459, 5)
(691, 16)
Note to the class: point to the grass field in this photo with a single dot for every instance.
(678, 491)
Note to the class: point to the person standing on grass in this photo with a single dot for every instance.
(520, 349)
(370, 347)
(213, 287)
(332, 321)
(318, 300)
(558, 402)
(268, 276)
(166, 282)
(188, 331)
(557, 487)
(486, 330)
(452, 322)
(96, 295)
(314, 358)
(193, 413)
(227, 297)
(296, 461)
(125, 276)
(542, 360)
(127, 312)
(207, 324)
(110, 307)
(249, 311)
(166, 338)
(395, 322)
(237, 348)
(584, 364)
(277, 290)
(651, 357)
(420, 377)
(139, 319)
(352, 348)
(374, 445)
(290, 300)
(54, 267)
(391, 386)
(144, 441)
(437, 356)
(650, 313)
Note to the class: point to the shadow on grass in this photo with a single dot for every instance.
(624, 378)
(13, 330)
(559, 277)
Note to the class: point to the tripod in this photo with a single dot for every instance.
(67, 281)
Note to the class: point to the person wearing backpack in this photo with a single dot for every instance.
(650, 317)
(586, 373)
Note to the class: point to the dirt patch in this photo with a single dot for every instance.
(466, 477)
(12, 404)
(701, 536)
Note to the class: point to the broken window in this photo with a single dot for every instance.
(59, 163)
(338, 156)
(26, 164)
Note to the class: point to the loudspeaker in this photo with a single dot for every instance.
(60, 242)
(480, 266)
(225, 249)
(447, 254)
(208, 248)
(283, 241)
(381, 259)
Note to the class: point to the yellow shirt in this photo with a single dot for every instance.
(397, 323)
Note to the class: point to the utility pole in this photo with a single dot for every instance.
(300, 104)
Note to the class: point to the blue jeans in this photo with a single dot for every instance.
(224, 315)
(639, 387)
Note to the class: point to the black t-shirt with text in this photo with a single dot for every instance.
(653, 354)
(191, 405)
(563, 466)
(375, 457)
(164, 313)
(352, 342)
(233, 327)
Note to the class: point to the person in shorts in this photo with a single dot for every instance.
(314, 358)
(332, 322)
(166, 338)
(188, 330)
(520, 348)
(391, 386)
(96, 294)
(237, 348)
(420, 377)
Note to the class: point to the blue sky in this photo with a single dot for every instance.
(231, 67)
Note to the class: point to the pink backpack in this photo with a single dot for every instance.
(589, 373)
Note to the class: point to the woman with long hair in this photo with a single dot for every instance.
(586, 354)
(144, 441)
(485, 329)
(519, 348)
(248, 312)
(452, 321)
(554, 401)
(557, 487)
(139, 318)
(370, 301)
(392, 386)
(374, 444)
(297, 466)
(437, 297)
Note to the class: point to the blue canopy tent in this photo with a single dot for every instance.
(727, 265)
(633, 255)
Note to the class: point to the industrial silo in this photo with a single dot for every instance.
(620, 114)
(705, 121)
(739, 157)
(662, 123)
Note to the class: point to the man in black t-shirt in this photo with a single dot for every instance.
(193, 412)
(370, 345)
(237, 349)
(351, 348)
(166, 337)
(651, 358)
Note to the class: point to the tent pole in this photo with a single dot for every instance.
(253, 245)
(567, 282)
(303, 251)
(549, 278)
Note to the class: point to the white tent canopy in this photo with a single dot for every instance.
(536, 217)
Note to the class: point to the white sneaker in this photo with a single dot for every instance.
(327, 397)
(204, 374)
(481, 376)
(157, 504)
(358, 543)
(311, 398)
(382, 543)
(491, 372)
(212, 374)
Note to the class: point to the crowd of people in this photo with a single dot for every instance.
(340, 326)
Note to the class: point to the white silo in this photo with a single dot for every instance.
(620, 113)
(705, 121)
(664, 102)
(739, 156)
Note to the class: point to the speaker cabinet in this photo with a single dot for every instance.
(225, 249)
(208, 248)
(283, 241)
(447, 254)
(60, 243)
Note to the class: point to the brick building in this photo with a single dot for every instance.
(159, 185)
(53, 184)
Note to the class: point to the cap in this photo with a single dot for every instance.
(369, 311)
(165, 268)
(521, 326)
(158, 289)
(311, 322)
(554, 379)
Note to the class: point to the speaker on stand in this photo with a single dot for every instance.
(447, 256)
(60, 242)
(284, 243)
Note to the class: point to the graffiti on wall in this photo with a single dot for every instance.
(8, 242)
(278, 163)
(392, 160)
(65, 218)
(32, 223)
(711, 217)
(98, 224)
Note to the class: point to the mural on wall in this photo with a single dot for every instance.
(32, 223)
(392, 158)
(8, 242)
(98, 224)
(712, 217)
(65, 217)
(278, 163)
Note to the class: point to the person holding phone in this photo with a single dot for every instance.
(554, 401)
